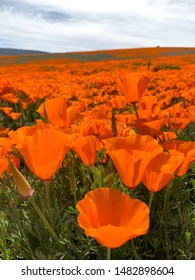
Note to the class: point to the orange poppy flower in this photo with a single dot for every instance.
(112, 217)
(14, 115)
(119, 102)
(125, 118)
(133, 85)
(124, 130)
(149, 103)
(5, 147)
(24, 131)
(86, 148)
(6, 110)
(167, 136)
(160, 171)
(58, 113)
(44, 151)
(98, 128)
(4, 131)
(186, 148)
(151, 126)
(131, 156)
(179, 117)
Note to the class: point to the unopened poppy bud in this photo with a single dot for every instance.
(22, 184)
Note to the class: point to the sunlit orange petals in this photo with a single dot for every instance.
(3, 165)
(149, 103)
(98, 128)
(178, 123)
(119, 102)
(86, 148)
(55, 109)
(133, 86)
(150, 127)
(187, 148)
(99, 112)
(179, 117)
(44, 151)
(6, 110)
(124, 130)
(191, 110)
(143, 83)
(5, 147)
(58, 113)
(24, 105)
(112, 217)
(166, 136)
(189, 159)
(131, 155)
(18, 135)
(4, 131)
(14, 116)
(6, 143)
(160, 171)
(126, 119)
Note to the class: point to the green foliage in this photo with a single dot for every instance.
(165, 67)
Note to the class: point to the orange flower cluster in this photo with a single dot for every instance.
(135, 116)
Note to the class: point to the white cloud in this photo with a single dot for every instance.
(60, 26)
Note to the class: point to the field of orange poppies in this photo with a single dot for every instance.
(97, 155)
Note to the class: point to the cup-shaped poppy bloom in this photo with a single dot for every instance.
(44, 151)
(186, 148)
(149, 103)
(167, 136)
(22, 184)
(98, 128)
(18, 135)
(151, 126)
(160, 171)
(131, 156)
(112, 217)
(86, 148)
(119, 102)
(133, 86)
(58, 113)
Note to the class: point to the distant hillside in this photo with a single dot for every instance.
(5, 51)
(28, 56)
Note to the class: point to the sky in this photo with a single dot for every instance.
(82, 25)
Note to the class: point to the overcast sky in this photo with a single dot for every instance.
(81, 25)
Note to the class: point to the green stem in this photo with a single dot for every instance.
(165, 199)
(135, 254)
(136, 111)
(48, 199)
(45, 222)
(108, 253)
(150, 200)
(47, 191)
(73, 188)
